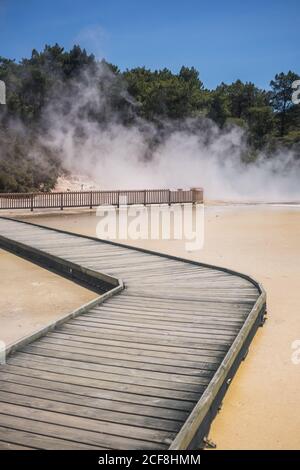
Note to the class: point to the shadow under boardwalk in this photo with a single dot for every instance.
(145, 368)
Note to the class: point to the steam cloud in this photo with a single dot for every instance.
(194, 152)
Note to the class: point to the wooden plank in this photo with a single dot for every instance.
(89, 397)
(74, 383)
(104, 352)
(91, 363)
(94, 370)
(140, 368)
(12, 446)
(117, 385)
(206, 348)
(156, 323)
(76, 416)
(25, 419)
(19, 439)
(130, 356)
(138, 349)
(150, 316)
(155, 333)
(91, 407)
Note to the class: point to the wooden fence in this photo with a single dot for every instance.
(92, 199)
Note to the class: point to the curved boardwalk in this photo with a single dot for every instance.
(145, 368)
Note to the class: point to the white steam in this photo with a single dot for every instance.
(190, 153)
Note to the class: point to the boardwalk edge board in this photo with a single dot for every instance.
(197, 425)
(95, 281)
(14, 347)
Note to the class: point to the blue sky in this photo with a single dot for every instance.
(224, 40)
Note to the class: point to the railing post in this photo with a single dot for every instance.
(179, 191)
(118, 199)
(145, 195)
(91, 200)
(169, 197)
(31, 202)
(197, 195)
(61, 201)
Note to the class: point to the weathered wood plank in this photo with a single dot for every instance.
(19, 439)
(75, 416)
(68, 383)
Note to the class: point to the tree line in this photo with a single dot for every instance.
(270, 119)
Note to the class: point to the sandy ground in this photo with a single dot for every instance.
(75, 183)
(31, 297)
(261, 409)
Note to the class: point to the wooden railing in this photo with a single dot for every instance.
(61, 200)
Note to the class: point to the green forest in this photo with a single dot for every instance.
(269, 118)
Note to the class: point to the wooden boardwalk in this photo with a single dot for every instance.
(145, 368)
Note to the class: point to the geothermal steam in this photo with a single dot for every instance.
(92, 140)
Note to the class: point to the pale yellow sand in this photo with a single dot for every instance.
(262, 407)
(31, 297)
